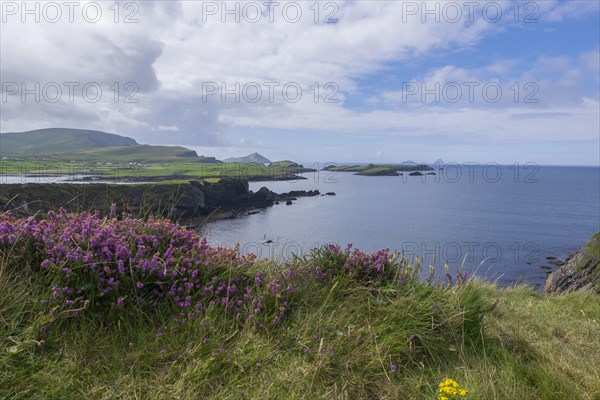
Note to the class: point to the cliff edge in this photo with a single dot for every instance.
(581, 272)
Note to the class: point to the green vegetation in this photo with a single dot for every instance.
(349, 325)
(141, 153)
(58, 140)
(379, 169)
(94, 154)
(46, 171)
(160, 198)
(59, 144)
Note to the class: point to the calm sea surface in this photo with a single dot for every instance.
(501, 222)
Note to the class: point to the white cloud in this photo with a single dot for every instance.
(171, 128)
(175, 48)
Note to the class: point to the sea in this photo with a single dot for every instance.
(502, 223)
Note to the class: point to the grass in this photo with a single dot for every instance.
(59, 140)
(178, 169)
(378, 171)
(345, 336)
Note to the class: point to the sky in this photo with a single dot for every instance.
(327, 81)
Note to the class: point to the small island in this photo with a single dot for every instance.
(381, 169)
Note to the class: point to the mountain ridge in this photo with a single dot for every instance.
(59, 140)
(90, 145)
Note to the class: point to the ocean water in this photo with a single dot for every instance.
(497, 222)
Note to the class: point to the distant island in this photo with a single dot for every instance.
(251, 158)
(381, 169)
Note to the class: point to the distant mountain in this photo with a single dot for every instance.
(87, 145)
(59, 140)
(251, 158)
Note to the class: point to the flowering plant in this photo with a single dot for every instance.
(94, 263)
(450, 389)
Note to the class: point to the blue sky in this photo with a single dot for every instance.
(379, 56)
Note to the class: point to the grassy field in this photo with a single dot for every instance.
(47, 170)
(347, 325)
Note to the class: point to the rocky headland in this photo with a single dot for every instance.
(187, 202)
(580, 272)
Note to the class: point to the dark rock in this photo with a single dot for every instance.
(288, 203)
(416, 173)
(581, 272)
(546, 267)
(430, 173)
(550, 258)
(263, 195)
(330, 194)
(557, 262)
(302, 193)
(570, 256)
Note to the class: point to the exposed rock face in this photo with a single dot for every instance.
(179, 201)
(581, 272)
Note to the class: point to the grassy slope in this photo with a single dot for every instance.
(528, 347)
(378, 171)
(89, 146)
(59, 140)
(138, 153)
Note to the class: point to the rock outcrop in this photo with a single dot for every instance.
(580, 272)
(179, 201)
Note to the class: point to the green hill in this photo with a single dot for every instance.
(137, 153)
(251, 158)
(62, 144)
(58, 140)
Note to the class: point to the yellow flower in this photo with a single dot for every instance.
(449, 389)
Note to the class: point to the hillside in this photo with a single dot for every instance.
(63, 144)
(137, 153)
(59, 140)
(251, 158)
